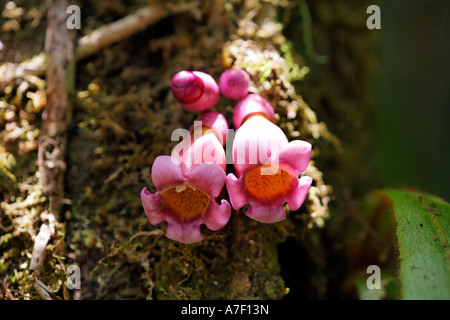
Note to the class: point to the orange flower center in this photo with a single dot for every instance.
(185, 201)
(251, 115)
(205, 130)
(267, 187)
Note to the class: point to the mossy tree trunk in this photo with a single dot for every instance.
(123, 117)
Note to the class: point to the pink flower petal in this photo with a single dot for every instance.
(203, 149)
(251, 103)
(249, 151)
(184, 232)
(208, 177)
(152, 207)
(255, 142)
(238, 196)
(296, 198)
(165, 172)
(217, 216)
(217, 122)
(266, 214)
(296, 155)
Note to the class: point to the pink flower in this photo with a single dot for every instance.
(187, 189)
(206, 142)
(195, 90)
(234, 83)
(266, 163)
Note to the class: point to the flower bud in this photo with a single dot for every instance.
(234, 83)
(195, 90)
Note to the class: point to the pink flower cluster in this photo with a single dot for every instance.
(189, 181)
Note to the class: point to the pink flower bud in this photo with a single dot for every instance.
(234, 83)
(195, 90)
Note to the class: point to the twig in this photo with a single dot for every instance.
(156, 233)
(44, 235)
(119, 29)
(38, 256)
(59, 46)
(42, 289)
(91, 43)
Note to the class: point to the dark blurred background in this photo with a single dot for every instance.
(413, 96)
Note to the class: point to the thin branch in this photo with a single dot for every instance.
(37, 259)
(44, 235)
(118, 30)
(59, 46)
(92, 42)
(42, 289)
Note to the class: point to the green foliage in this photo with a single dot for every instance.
(422, 227)
(7, 162)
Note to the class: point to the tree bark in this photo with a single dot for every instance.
(59, 46)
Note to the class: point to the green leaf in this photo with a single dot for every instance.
(422, 233)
